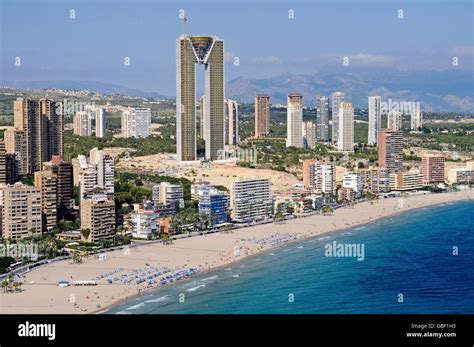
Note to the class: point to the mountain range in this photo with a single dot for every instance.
(444, 91)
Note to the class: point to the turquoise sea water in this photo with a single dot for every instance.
(409, 254)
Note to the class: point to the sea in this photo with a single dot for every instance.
(420, 261)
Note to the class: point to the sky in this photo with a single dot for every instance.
(261, 34)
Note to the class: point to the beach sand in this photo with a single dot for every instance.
(41, 294)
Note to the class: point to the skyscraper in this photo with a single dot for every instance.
(375, 119)
(100, 127)
(294, 122)
(322, 118)
(390, 150)
(345, 137)
(43, 127)
(105, 166)
(309, 135)
(336, 100)
(136, 122)
(231, 122)
(262, 115)
(394, 120)
(207, 51)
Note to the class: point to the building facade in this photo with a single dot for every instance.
(251, 199)
(209, 52)
(345, 134)
(136, 122)
(294, 136)
(390, 150)
(322, 119)
(375, 119)
(262, 115)
(336, 100)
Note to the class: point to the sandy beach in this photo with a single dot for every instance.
(117, 276)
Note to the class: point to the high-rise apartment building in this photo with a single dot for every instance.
(100, 126)
(345, 136)
(231, 128)
(136, 122)
(395, 120)
(46, 181)
(82, 124)
(21, 211)
(294, 121)
(390, 150)
(213, 203)
(416, 120)
(207, 51)
(251, 199)
(309, 134)
(262, 115)
(319, 176)
(375, 119)
(15, 143)
(98, 216)
(62, 170)
(432, 168)
(322, 119)
(43, 127)
(336, 100)
(375, 180)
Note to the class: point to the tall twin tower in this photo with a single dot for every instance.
(207, 51)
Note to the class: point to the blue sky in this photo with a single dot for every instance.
(93, 45)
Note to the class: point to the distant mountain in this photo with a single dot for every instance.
(435, 90)
(93, 86)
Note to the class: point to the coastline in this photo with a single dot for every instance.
(208, 253)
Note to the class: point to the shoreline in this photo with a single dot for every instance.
(106, 309)
(200, 255)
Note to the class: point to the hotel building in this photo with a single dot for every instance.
(213, 203)
(375, 180)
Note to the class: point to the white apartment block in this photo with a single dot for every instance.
(345, 136)
(375, 119)
(100, 127)
(353, 180)
(251, 199)
(416, 120)
(136, 122)
(395, 120)
(170, 193)
(336, 100)
(294, 135)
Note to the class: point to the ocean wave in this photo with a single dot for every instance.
(163, 298)
(136, 307)
(193, 289)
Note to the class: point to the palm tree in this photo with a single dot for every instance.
(4, 285)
